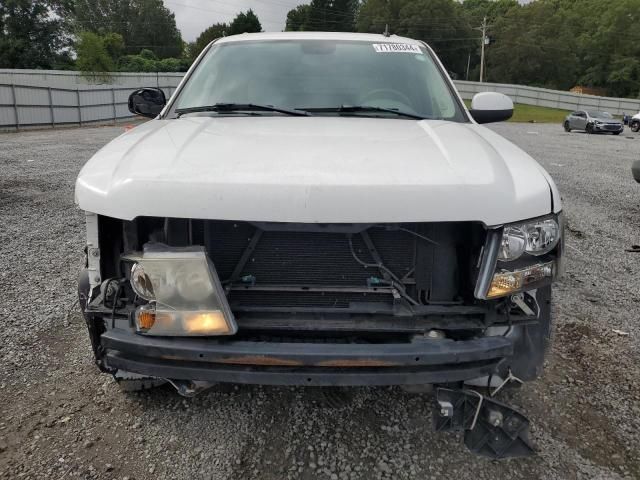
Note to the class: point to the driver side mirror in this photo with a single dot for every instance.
(147, 102)
(489, 107)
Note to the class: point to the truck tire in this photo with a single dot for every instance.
(635, 125)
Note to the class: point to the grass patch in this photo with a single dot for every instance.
(532, 113)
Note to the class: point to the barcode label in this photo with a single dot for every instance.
(396, 48)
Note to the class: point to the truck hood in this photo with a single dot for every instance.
(314, 169)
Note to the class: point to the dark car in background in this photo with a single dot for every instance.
(592, 122)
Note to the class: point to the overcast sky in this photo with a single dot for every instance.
(193, 16)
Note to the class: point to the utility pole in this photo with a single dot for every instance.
(484, 40)
(483, 29)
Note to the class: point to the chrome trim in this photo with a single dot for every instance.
(489, 262)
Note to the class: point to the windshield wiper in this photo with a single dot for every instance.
(365, 108)
(239, 107)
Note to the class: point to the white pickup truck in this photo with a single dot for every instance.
(322, 209)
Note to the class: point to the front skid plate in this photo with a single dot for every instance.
(492, 429)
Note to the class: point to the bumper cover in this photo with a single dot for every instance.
(608, 127)
(272, 363)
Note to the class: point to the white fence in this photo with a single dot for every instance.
(49, 98)
(545, 97)
(41, 98)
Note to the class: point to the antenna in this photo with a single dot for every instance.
(386, 31)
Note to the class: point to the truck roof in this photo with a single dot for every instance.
(363, 37)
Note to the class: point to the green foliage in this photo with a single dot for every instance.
(146, 61)
(137, 63)
(298, 18)
(113, 44)
(172, 65)
(216, 30)
(523, 113)
(324, 16)
(93, 60)
(534, 114)
(98, 55)
(140, 23)
(611, 50)
(148, 54)
(549, 43)
(33, 33)
(441, 23)
(476, 10)
(533, 46)
(245, 23)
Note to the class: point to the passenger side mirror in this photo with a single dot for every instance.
(147, 102)
(489, 107)
(635, 170)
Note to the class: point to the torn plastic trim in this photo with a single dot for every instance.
(93, 251)
(491, 428)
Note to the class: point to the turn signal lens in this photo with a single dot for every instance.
(145, 318)
(181, 323)
(209, 323)
(505, 283)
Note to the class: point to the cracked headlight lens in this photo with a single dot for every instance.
(535, 238)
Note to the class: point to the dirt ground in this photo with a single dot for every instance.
(61, 419)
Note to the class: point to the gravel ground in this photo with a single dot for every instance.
(60, 418)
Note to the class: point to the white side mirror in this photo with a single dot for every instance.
(488, 107)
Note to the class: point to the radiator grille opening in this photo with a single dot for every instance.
(305, 266)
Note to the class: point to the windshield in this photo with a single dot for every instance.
(321, 75)
(600, 115)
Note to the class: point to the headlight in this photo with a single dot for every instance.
(184, 292)
(514, 241)
(141, 283)
(535, 238)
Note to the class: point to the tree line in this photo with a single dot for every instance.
(102, 36)
(555, 44)
(548, 43)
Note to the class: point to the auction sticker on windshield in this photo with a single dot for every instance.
(396, 48)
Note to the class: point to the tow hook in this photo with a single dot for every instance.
(491, 429)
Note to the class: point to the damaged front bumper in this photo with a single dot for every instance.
(425, 361)
(490, 428)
